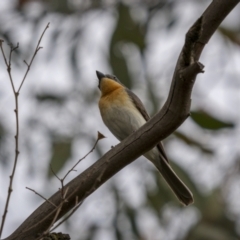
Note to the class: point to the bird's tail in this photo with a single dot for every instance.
(178, 187)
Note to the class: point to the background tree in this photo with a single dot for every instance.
(59, 116)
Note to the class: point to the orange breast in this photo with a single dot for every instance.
(115, 98)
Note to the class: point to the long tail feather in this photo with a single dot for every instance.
(178, 187)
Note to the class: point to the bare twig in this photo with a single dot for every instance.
(78, 204)
(8, 63)
(55, 173)
(34, 54)
(59, 208)
(100, 136)
(57, 213)
(64, 192)
(41, 196)
(67, 217)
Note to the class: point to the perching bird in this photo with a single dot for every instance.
(123, 113)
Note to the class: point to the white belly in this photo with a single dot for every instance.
(122, 121)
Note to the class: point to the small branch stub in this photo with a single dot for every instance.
(191, 71)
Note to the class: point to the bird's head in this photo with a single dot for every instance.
(107, 83)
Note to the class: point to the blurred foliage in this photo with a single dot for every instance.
(214, 224)
(230, 34)
(205, 120)
(129, 34)
(51, 97)
(61, 153)
(191, 142)
(122, 38)
(57, 236)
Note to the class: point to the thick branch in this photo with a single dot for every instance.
(174, 112)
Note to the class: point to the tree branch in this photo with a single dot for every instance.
(175, 111)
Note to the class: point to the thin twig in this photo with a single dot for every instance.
(100, 136)
(54, 173)
(78, 204)
(63, 193)
(8, 63)
(57, 213)
(34, 54)
(66, 218)
(60, 179)
(41, 196)
(55, 217)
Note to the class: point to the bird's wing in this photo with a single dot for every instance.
(139, 105)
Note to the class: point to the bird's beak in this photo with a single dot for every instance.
(100, 75)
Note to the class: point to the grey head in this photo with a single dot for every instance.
(101, 75)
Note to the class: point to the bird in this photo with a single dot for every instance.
(123, 113)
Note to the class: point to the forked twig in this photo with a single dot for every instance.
(34, 54)
(99, 137)
(8, 63)
(64, 192)
(78, 204)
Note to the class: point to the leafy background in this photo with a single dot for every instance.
(138, 41)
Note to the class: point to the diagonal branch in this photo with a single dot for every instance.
(172, 115)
